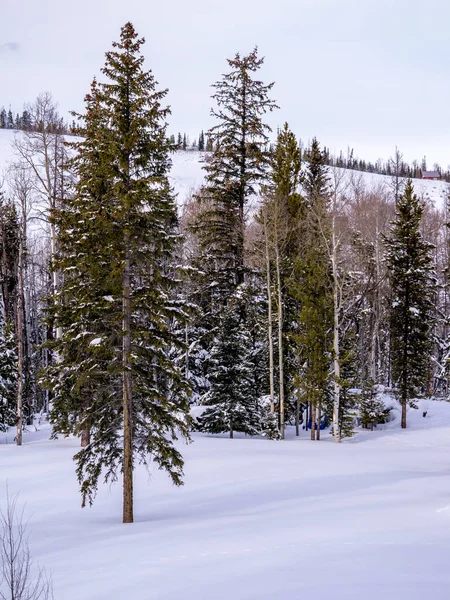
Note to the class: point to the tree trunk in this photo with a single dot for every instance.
(297, 416)
(20, 344)
(336, 349)
(307, 416)
(269, 316)
(319, 418)
(313, 419)
(404, 414)
(127, 392)
(280, 340)
(85, 438)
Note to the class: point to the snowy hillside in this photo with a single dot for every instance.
(256, 520)
(187, 174)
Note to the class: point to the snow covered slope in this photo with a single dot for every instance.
(256, 520)
(187, 174)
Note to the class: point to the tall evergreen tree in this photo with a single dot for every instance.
(314, 290)
(410, 268)
(124, 330)
(9, 249)
(10, 120)
(201, 142)
(240, 158)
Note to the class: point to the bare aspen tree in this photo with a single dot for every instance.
(41, 148)
(398, 180)
(21, 187)
(334, 250)
(20, 578)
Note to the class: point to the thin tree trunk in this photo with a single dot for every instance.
(280, 339)
(127, 391)
(313, 419)
(20, 344)
(269, 316)
(336, 349)
(297, 416)
(319, 418)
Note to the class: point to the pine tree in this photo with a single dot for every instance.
(9, 248)
(184, 143)
(371, 408)
(410, 269)
(232, 403)
(10, 120)
(314, 290)
(285, 212)
(8, 377)
(123, 324)
(201, 142)
(3, 118)
(240, 138)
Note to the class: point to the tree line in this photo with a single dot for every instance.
(283, 292)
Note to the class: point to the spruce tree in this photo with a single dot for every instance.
(124, 327)
(314, 290)
(285, 212)
(410, 268)
(201, 142)
(9, 247)
(233, 405)
(240, 158)
(8, 377)
(10, 120)
(371, 408)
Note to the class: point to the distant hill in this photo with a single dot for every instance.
(187, 174)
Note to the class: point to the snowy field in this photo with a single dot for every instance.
(256, 519)
(187, 174)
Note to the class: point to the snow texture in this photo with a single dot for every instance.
(256, 519)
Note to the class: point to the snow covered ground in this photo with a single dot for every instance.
(187, 174)
(256, 519)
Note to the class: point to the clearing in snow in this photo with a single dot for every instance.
(256, 519)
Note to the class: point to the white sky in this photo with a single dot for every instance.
(370, 74)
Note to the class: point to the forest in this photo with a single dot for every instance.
(281, 293)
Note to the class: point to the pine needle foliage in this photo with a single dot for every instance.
(412, 279)
(117, 239)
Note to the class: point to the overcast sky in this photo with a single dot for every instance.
(370, 74)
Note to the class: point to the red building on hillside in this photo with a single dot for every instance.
(430, 175)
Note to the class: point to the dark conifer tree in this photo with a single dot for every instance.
(8, 377)
(124, 330)
(201, 142)
(232, 402)
(10, 120)
(314, 289)
(410, 268)
(239, 161)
